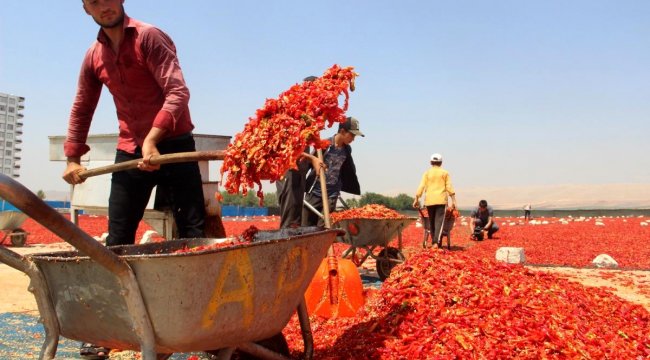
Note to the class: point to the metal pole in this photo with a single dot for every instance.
(305, 329)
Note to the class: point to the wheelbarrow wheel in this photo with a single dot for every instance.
(384, 266)
(18, 237)
(277, 343)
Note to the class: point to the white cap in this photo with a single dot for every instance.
(436, 157)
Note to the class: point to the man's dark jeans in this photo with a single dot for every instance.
(309, 218)
(291, 191)
(480, 225)
(436, 217)
(131, 189)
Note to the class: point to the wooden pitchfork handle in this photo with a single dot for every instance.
(155, 160)
(323, 190)
(332, 262)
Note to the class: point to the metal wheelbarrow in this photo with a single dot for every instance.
(447, 225)
(369, 234)
(10, 223)
(147, 298)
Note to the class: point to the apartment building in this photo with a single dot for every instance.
(11, 130)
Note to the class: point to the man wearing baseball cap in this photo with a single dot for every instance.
(351, 125)
(436, 184)
(341, 174)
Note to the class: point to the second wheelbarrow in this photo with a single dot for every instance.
(10, 223)
(159, 301)
(448, 222)
(370, 234)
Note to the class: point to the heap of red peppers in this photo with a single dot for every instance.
(273, 139)
(246, 237)
(371, 211)
(450, 305)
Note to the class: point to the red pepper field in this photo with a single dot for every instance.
(463, 304)
(551, 241)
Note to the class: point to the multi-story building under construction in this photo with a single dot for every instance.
(11, 130)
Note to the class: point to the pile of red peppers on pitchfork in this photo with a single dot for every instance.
(283, 128)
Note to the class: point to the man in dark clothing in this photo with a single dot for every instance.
(291, 190)
(341, 174)
(482, 223)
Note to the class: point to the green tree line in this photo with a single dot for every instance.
(270, 199)
(399, 202)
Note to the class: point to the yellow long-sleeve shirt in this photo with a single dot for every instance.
(436, 185)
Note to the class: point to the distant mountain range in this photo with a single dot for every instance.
(550, 197)
(556, 197)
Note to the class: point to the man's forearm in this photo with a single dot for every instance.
(73, 159)
(154, 136)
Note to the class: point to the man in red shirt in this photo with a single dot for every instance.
(138, 64)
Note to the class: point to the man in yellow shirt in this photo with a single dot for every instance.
(436, 185)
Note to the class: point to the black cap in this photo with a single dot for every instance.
(352, 125)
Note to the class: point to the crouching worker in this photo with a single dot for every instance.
(482, 222)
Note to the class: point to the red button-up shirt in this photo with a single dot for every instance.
(145, 80)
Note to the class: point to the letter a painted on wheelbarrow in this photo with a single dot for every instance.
(237, 264)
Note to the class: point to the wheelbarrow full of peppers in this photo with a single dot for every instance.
(186, 295)
(368, 229)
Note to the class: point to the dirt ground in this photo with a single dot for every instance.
(16, 298)
(592, 277)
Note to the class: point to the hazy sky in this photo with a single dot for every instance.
(512, 93)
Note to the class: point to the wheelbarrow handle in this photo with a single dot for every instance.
(155, 160)
(37, 209)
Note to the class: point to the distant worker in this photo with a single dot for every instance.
(437, 187)
(482, 224)
(527, 209)
(340, 176)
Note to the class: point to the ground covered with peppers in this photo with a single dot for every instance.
(454, 305)
(462, 304)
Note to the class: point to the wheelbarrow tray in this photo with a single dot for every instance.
(202, 300)
(361, 232)
(447, 224)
